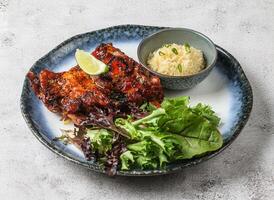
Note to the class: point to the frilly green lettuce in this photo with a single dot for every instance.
(173, 132)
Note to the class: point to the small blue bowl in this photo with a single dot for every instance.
(179, 36)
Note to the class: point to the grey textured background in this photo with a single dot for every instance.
(29, 29)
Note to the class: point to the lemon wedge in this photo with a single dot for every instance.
(89, 64)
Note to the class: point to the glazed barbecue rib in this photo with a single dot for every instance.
(96, 100)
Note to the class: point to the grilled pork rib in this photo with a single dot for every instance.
(95, 100)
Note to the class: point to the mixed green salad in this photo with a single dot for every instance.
(172, 132)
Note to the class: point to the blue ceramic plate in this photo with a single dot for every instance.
(226, 89)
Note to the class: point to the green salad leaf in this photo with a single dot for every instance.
(152, 119)
(126, 158)
(173, 132)
(149, 107)
(207, 113)
(101, 140)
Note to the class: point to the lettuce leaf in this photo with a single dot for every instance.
(151, 119)
(207, 113)
(173, 132)
(101, 140)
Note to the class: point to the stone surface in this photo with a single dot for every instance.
(29, 29)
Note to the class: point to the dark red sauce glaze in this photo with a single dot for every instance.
(96, 100)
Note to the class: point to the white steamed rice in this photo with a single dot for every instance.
(176, 60)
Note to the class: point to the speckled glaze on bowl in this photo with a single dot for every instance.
(179, 36)
(226, 89)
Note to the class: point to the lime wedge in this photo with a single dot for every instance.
(89, 64)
